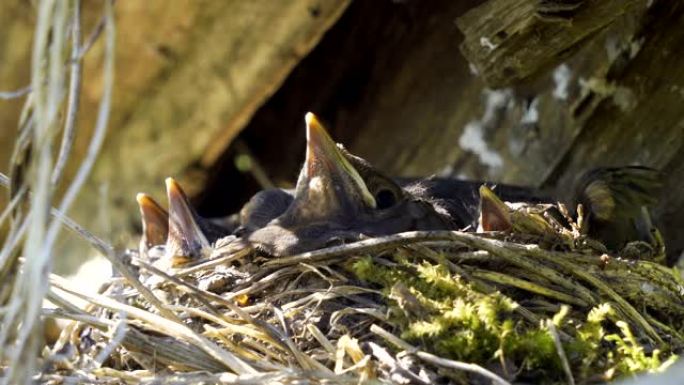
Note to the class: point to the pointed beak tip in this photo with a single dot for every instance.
(489, 199)
(141, 198)
(174, 189)
(487, 193)
(147, 204)
(309, 118)
(170, 183)
(325, 159)
(314, 128)
(149, 207)
(317, 135)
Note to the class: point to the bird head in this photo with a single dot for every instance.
(338, 198)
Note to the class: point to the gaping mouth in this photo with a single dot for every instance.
(494, 214)
(155, 220)
(186, 240)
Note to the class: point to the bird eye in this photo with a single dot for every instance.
(385, 199)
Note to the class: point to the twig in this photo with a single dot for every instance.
(204, 297)
(19, 161)
(161, 325)
(12, 204)
(69, 133)
(532, 287)
(21, 327)
(561, 352)
(627, 308)
(322, 339)
(304, 361)
(395, 365)
(165, 350)
(206, 265)
(81, 52)
(361, 247)
(100, 125)
(93, 36)
(11, 242)
(286, 376)
(510, 252)
(78, 316)
(119, 332)
(443, 362)
(265, 281)
(7, 95)
(108, 252)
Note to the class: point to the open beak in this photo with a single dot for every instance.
(186, 241)
(155, 221)
(329, 198)
(494, 214)
(325, 163)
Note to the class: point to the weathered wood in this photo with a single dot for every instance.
(409, 109)
(235, 55)
(511, 40)
(641, 120)
(189, 75)
(389, 83)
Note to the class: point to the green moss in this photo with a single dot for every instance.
(630, 356)
(456, 321)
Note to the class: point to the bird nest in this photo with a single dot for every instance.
(540, 303)
(416, 307)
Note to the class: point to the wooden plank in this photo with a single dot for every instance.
(641, 121)
(511, 40)
(191, 76)
(408, 108)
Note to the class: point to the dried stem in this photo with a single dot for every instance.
(431, 358)
(69, 133)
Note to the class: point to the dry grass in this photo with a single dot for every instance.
(406, 308)
(26, 255)
(309, 318)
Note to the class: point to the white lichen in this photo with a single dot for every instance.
(531, 114)
(472, 140)
(635, 47)
(561, 77)
(473, 137)
(473, 69)
(485, 42)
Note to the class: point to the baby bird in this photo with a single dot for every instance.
(340, 197)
